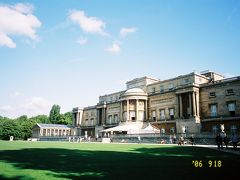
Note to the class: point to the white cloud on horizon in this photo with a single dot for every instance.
(31, 107)
(88, 24)
(6, 108)
(17, 20)
(114, 48)
(125, 31)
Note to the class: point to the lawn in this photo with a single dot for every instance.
(63, 160)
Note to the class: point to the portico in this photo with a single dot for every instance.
(133, 105)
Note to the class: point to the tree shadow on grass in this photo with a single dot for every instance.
(140, 163)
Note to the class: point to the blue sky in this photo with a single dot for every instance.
(71, 51)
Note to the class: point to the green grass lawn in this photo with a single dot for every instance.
(63, 160)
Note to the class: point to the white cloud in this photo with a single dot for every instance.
(88, 24)
(17, 20)
(15, 94)
(6, 109)
(31, 107)
(115, 48)
(82, 40)
(125, 31)
(36, 104)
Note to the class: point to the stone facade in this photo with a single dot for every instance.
(188, 103)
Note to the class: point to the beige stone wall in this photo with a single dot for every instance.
(171, 84)
(221, 98)
(89, 117)
(162, 101)
(113, 109)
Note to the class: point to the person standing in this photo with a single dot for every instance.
(139, 140)
(218, 140)
(234, 140)
(174, 138)
(192, 140)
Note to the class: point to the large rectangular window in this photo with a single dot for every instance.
(232, 108)
(171, 113)
(115, 118)
(91, 121)
(110, 119)
(154, 115)
(132, 115)
(213, 110)
(162, 114)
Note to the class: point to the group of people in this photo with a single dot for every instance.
(222, 138)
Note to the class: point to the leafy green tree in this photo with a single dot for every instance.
(40, 119)
(10, 128)
(65, 118)
(26, 128)
(54, 115)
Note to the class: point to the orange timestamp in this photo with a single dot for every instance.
(209, 163)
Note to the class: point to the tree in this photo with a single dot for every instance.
(40, 119)
(10, 128)
(54, 115)
(65, 118)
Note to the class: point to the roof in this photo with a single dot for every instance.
(52, 125)
(133, 129)
(135, 90)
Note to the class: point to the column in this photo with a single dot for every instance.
(121, 111)
(136, 110)
(146, 110)
(41, 132)
(180, 104)
(76, 120)
(127, 110)
(103, 113)
(190, 104)
(194, 103)
(197, 103)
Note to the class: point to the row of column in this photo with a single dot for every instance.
(56, 132)
(136, 109)
(193, 104)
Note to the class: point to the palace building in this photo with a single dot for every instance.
(193, 103)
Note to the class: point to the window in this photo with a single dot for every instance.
(154, 115)
(132, 115)
(91, 121)
(171, 113)
(153, 90)
(229, 92)
(86, 119)
(162, 114)
(110, 119)
(161, 88)
(115, 118)
(92, 113)
(185, 81)
(213, 110)
(170, 87)
(232, 108)
(212, 95)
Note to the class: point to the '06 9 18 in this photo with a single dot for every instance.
(210, 163)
